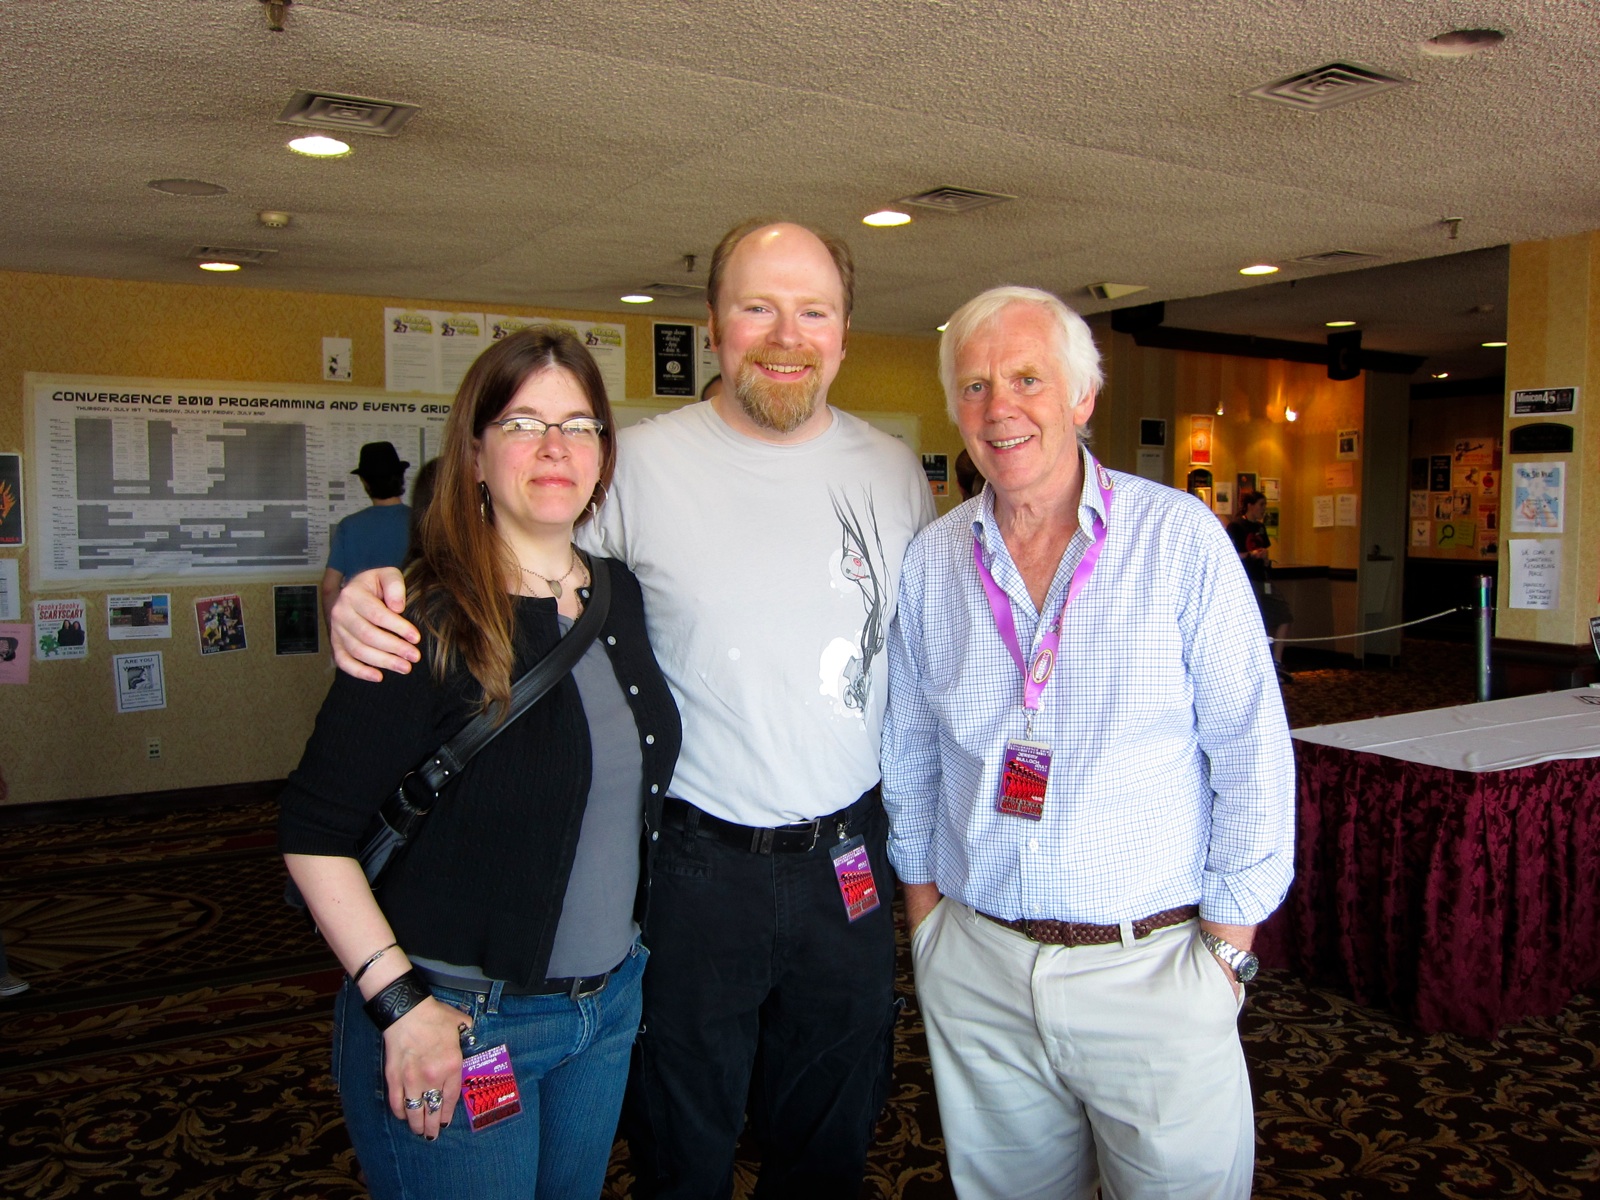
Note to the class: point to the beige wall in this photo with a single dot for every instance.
(244, 716)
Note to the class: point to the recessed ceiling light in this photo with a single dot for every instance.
(187, 187)
(1492, 345)
(1338, 324)
(1441, 374)
(942, 328)
(886, 218)
(636, 298)
(1462, 43)
(1259, 269)
(219, 266)
(317, 146)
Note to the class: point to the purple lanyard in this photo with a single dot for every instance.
(1044, 662)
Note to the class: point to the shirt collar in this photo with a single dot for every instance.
(1091, 505)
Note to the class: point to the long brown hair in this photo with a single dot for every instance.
(457, 583)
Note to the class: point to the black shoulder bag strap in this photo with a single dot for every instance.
(401, 815)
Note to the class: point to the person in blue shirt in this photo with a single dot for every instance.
(1090, 789)
(378, 535)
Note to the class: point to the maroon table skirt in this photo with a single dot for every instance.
(1463, 901)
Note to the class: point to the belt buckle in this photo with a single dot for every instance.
(578, 992)
(816, 834)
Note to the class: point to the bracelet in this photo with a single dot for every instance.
(397, 999)
(362, 969)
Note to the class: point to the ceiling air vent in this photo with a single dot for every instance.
(955, 199)
(675, 291)
(238, 254)
(352, 114)
(1336, 258)
(1326, 87)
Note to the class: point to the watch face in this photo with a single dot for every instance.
(1247, 968)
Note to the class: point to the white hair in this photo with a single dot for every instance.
(1079, 356)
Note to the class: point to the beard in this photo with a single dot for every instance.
(774, 403)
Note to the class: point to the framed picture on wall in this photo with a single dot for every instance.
(1200, 440)
(1222, 500)
(1245, 481)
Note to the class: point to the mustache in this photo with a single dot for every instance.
(782, 358)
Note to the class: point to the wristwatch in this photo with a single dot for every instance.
(1244, 964)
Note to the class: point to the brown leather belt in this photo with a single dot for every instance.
(1079, 933)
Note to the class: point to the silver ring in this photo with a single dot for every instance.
(412, 1104)
(435, 1099)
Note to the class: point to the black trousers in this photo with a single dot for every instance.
(761, 991)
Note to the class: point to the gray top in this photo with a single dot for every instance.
(597, 926)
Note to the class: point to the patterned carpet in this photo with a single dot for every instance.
(174, 1045)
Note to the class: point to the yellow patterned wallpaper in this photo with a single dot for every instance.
(245, 716)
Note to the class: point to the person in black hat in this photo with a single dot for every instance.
(375, 536)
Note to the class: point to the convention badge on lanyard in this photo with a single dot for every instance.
(1025, 771)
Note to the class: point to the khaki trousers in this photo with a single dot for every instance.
(1059, 1069)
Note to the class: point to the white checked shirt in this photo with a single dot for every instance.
(1172, 779)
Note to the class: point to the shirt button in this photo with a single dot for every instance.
(611, 641)
(649, 739)
(655, 835)
(1033, 843)
(654, 788)
(633, 689)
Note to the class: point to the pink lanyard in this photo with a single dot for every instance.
(1035, 680)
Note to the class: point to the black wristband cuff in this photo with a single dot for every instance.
(397, 999)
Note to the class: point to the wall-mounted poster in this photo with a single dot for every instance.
(1322, 512)
(937, 468)
(1419, 474)
(1245, 481)
(11, 500)
(60, 629)
(1421, 533)
(1272, 489)
(134, 618)
(14, 656)
(294, 618)
(1527, 402)
(1222, 499)
(677, 350)
(1535, 573)
(1347, 444)
(1456, 535)
(1475, 452)
(1419, 506)
(1345, 510)
(1439, 473)
(219, 621)
(1538, 497)
(1200, 432)
(141, 684)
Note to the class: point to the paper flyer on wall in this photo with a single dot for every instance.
(11, 524)
(14, 656)
(60, 629)
(410, 356)
(1538, 497)
(294, 619)
(141, 683)
(606, 343)
(10, 590)
(135, 618)
(710, 364)
(1322, 512)
(1344, 510)
(219, 621)
(1535, 573)
(461, 340)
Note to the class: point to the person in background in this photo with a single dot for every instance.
(967, 477)
(713, 388)
(767, 528)
(1248, 532)
(377, 535)
(421, 498)
(1090, 790)
(511, 918)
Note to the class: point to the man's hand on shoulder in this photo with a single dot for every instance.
(365, 629)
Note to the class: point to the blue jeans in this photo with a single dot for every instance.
(571, 1062)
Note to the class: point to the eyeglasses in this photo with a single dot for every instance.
(531, 429)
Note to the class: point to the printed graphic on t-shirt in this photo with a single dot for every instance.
(858, 565)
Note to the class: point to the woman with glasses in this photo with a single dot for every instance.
(511, 919)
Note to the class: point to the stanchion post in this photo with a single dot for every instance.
(1485, 617)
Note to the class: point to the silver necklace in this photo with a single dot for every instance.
(553, 584)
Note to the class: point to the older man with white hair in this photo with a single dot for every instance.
(1090, 787)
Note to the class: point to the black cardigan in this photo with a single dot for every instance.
(483, 883)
